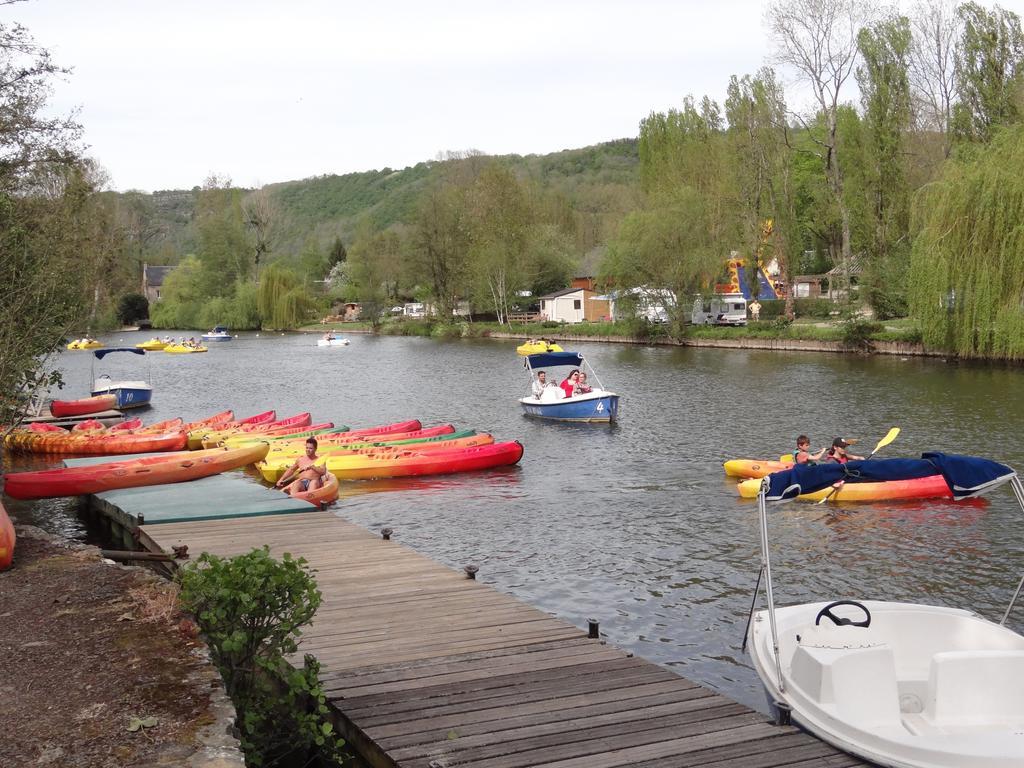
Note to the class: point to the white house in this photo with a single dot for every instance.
(573, 305)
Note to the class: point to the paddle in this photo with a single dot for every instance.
(889, 437)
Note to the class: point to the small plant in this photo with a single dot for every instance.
(857, 332)
(251, 608)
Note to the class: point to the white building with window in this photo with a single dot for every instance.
(573, 305)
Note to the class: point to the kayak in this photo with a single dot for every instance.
(754, 468)
(325, 494)
(318, 431)
(537, 348)
(929, 487)
(152, 345)
(7, 539)
(413, 463)
(328, 443)
(274, 466)
(198, 431)
(149, 470)
(298, 423)
(83, 406)
(105, 444)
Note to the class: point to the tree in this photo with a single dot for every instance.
(967, 262)
(337, 253)
(261, 218)
(440, 243)
(885, 96)
(818, 39)
(756, 112)
(988, 71)
(132, 307)
(935, 28)
(46, 265)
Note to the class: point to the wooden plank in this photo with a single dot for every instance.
(426, 667)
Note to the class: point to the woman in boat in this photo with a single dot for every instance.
(568, 384)
(582, 388)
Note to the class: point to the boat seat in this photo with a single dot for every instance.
(858, 684)
(975, 687)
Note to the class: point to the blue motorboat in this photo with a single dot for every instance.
(549, 401)
(130, 394)
(219, 333)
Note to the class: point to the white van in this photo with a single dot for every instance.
(729, 309)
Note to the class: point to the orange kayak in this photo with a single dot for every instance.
(102, 444)
(325, 494)
(930, 487)
(412, 463)
(151, 470)
(754, 468)
(7, 539)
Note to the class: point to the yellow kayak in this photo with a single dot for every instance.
(152, 345)
(183, 349)
(537, 347)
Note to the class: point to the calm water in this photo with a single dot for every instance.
(636, 525)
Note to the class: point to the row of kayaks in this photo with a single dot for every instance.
(401, 449)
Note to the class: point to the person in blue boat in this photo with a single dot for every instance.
(803, 455)
(307, 474)
(582, 388)
(568, 384)
(539, 384)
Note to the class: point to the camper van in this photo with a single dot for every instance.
(730, 309)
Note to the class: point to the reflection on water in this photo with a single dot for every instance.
(635, 525)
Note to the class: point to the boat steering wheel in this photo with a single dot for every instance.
(841, 622)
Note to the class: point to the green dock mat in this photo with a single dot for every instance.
(228, 495)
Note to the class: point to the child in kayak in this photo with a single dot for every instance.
(803, 454)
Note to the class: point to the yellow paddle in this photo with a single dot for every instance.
(889, 437)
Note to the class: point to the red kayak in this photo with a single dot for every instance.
(259, 418)
(132, 473)
(103, 444)
(411, 463)
(7, 539)
(83, 406)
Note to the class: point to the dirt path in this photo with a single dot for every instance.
(97, 668)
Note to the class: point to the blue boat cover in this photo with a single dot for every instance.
(554, 359)
(966, 476)
(101, 353)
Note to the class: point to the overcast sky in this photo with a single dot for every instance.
(171, 92)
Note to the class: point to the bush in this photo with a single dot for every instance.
(857, 333)
(251, 608)
(131, 308)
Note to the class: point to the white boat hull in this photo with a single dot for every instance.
(332, 342)
(920, 687)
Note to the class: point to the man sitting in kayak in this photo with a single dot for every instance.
(310, 476)
(839, 454)
(803, 454)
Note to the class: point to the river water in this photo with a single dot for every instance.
(635, 524)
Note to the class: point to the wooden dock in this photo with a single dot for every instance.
(427, 668)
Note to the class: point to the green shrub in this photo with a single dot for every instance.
(857, 333)
(131, 308)
(251, 609)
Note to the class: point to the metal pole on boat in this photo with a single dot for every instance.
(766, 566)
(593, 373)
(1018, 491)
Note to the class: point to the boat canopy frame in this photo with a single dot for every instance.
(559, 360)
(766, 569)
(99, 354)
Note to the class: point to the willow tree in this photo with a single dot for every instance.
(282, 299)
(967, 261)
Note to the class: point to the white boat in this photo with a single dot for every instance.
(130, 394)
(899, 684)
(220, 333)
(332, 342)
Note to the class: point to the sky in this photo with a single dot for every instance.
(170, 93)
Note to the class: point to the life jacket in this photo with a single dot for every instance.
(837, 459)
(807, 454)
